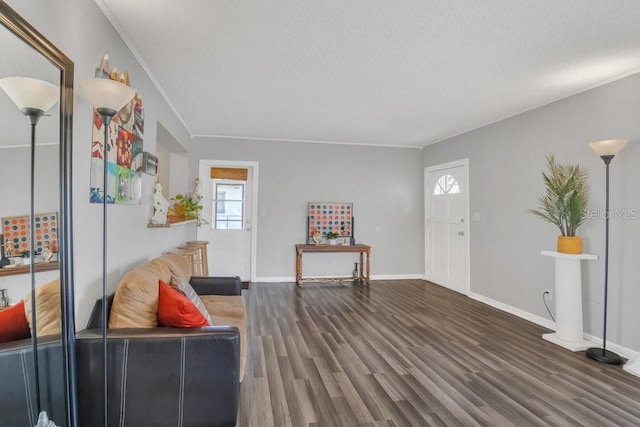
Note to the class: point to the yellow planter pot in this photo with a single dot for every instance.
(569, 245)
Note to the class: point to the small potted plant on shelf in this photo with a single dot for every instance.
(331, 238)
(564, 202)
(187, 207)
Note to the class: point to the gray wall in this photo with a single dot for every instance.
(506, 160)
(385, 185)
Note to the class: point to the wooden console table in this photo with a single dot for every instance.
(361, 249)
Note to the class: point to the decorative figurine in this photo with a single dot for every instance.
(44, 421)
(160, 205)
(317, 237)
(196, 188)
(9, 248)
(46, 252)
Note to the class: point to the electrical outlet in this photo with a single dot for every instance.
(548, 294)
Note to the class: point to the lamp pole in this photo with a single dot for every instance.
(107, 115)
(34, 115)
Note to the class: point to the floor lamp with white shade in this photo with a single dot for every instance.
(108, 97)
(607, 150)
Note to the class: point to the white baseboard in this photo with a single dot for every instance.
(285, 279)
(633, 366)
(625, 352)
(515, 311)
(274, 279)
(397, 277)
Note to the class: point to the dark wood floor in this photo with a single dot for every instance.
(408, 352)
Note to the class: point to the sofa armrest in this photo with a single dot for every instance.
(188, 376)
(216, 285)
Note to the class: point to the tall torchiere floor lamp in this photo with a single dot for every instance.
(108, 97)
(606, 150)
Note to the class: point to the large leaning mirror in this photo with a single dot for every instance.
(36, 300)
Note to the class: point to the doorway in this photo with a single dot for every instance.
(230, 194)
(447, 225)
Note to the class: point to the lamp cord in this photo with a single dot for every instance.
(544, 300)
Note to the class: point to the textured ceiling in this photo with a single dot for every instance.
(380, 72)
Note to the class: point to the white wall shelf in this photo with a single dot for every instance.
(171, 224)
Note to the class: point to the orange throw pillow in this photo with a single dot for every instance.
(13, 323)
(175, 309)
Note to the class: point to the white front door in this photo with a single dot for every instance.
(447, 239)
(228, 206)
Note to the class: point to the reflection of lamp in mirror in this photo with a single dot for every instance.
(606, 150)
(33, 97)
(107, 97)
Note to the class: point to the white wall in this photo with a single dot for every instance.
(164, 167)
(506, 161)
(385, 185)
(179, 182)
(14, 176)
(80, 30)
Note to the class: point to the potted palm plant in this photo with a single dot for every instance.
(564, 202)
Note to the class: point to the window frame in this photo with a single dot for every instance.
(215, 220)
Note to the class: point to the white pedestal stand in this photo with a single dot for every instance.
(568, 298)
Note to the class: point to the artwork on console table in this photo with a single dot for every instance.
(16, 229)
(334, 217)
(124, 182)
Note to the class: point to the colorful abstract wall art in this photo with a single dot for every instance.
(331, 216)
(124, 182)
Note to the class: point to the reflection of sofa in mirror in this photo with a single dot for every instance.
(164, 375)
(17, 388)
(18, 401)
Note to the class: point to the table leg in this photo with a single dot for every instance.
(368, 269)
(361, 275)
(299, 268)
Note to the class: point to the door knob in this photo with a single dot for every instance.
(460, 233)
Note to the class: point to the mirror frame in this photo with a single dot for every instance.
(17, 25)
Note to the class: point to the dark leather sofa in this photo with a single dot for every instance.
(18, 405)
(162, 376)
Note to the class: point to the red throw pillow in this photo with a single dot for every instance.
(13, 323)
(175, 309)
